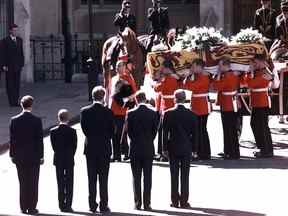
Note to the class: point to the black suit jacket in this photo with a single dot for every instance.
(178, 128)
(268, 28)
(26, 139)
(97, 123)
(124, 21)
(11, 53)
(142, 128)
(64, 144)
(160, 23)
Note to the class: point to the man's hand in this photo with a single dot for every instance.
(5, 68)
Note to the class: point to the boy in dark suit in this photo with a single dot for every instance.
(142, 129)
(26, 152)
(64, 144)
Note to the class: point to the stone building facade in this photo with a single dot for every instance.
(43, 18)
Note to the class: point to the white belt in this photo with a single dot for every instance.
(200, 95)
(232, 93)
(168, 96)
(260, 90)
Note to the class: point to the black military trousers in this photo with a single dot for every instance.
(261, 130)
(13, 77)
(65, 180)
(139, 166)
(231, 141)
(28, 176)
(201, 139)
(119, 147)
(98, 169)
(179, 165)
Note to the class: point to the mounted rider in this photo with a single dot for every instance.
(265, 22)
(160, 24)
(122, 20)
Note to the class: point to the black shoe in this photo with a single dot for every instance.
(261, 155)
(67, 210)
(126, 158)
(221, 154)
(115, 159)
(137, 207)
(174, 205)
(24, 211)
(147, 208)
(105, 209)
(33, 211)
(185, 205)
(204, 157)
(93, 209)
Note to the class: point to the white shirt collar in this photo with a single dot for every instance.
(13, 37)
(98, 102)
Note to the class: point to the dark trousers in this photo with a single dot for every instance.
(138, 166)
(261, 130)
(181, 164)
(201, 140)
(28, 176)
(13, 85)
(231, 141)
(98, 169)
(65, 179)
(119, 147)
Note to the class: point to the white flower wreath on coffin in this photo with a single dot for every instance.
(248, 35)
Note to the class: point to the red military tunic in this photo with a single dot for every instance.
(200, 89)
(115, 107)
(227, 87)
(259, 90)
(167, 87)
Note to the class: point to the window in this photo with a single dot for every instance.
(106, 2)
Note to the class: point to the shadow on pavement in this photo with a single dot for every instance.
(182, 212)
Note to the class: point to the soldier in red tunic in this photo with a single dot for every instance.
(198, 82)
(122, 99)
(258, 84)
(165, 89)
(227, 85)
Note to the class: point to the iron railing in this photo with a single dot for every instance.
(48, 56)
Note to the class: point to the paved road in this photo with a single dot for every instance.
(246, 187)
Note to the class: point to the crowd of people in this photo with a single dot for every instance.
(182, 133)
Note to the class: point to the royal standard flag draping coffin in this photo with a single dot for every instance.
(240, 55)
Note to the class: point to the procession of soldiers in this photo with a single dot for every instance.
(122, 112)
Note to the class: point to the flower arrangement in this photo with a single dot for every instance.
(248, 35)
(159, 47)
(199, 38)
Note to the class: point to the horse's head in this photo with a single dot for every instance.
(129, 38)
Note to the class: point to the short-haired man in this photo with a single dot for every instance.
(142, 129)
(177, 134)
(198, 82)
(227, 85)
(258, 83)
(97, 123)
(26, 151)
(12, 62)
(64, 144)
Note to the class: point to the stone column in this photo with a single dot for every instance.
(22, 17)
(217, 13)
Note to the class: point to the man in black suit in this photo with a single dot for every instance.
(142, 128)
(26, 151)
(97, 123)
(178, 127)
(64, 144)
(12, 61)
(160, 23)
(124, 18)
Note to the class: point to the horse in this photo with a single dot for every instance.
(128, 45)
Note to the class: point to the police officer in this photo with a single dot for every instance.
(265, 21)
(124, 18)
(160, 24)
